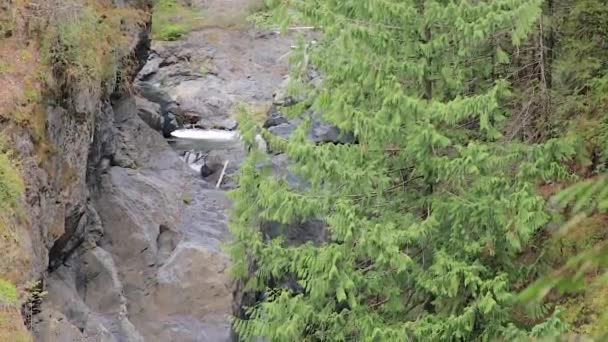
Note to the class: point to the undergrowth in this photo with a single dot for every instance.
(8, 293)
(78, 46)
(90, 47)
(262, 19)
(171, 20)
(11, 184)
(4, 68)
(11, 324)
(11, 189)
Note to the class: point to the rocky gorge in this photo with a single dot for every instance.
(127, 216)
(125, 238)
(141, 259)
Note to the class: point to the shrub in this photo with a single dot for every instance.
(84, 43)
(82, 46)
(11, 184)
(8, 293)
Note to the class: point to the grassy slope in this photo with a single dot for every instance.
(171, 20)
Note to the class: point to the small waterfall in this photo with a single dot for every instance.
(194, 145)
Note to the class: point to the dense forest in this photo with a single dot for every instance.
(470, 204)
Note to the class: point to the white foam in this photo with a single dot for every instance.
(205, 134)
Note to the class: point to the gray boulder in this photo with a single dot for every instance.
(150, 68)
(154, 94)
(279, 167)
(275, 118)
(297, 233)
(325, 133)
(52, 325)
(149, 112)
(170, 111)
(170, 124)
(320, 132)
(284, 130)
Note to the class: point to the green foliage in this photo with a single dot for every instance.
(261, 19)
(31, 95)
(11, 321)
(583, 199)
(580, 73)
(580, 90)
(11, 183)
(82, 46)
(6, 22)
(581, 85)
(583, 27)
(8, 293)
(171, 20)
(587, 313)
(4, 68)
(427, 212)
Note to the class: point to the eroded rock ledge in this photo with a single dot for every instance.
(106, 235)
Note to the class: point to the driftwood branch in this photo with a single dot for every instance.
(219, 181)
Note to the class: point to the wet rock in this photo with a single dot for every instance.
(199, 275)
(82, 226)
(227, 124)
(214, 164)
(325, 133)
(163, 267)
(51, 326)
(314, 231)
(274, 119)
(170, 111)
(205, 97)
(102, 291)
(95, 331)
(169, 61)
(206, 171)
(280, 96)
(149, 112)
(279, 166)
(88, 282)
(154, 94)
(151, 67)
(320, 132)
(166, 242)
(284, 130)
(170, 124)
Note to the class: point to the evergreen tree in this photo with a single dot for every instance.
(427, 211)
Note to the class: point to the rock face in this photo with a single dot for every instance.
(124, 236)
(212, 70)
(140, 264)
